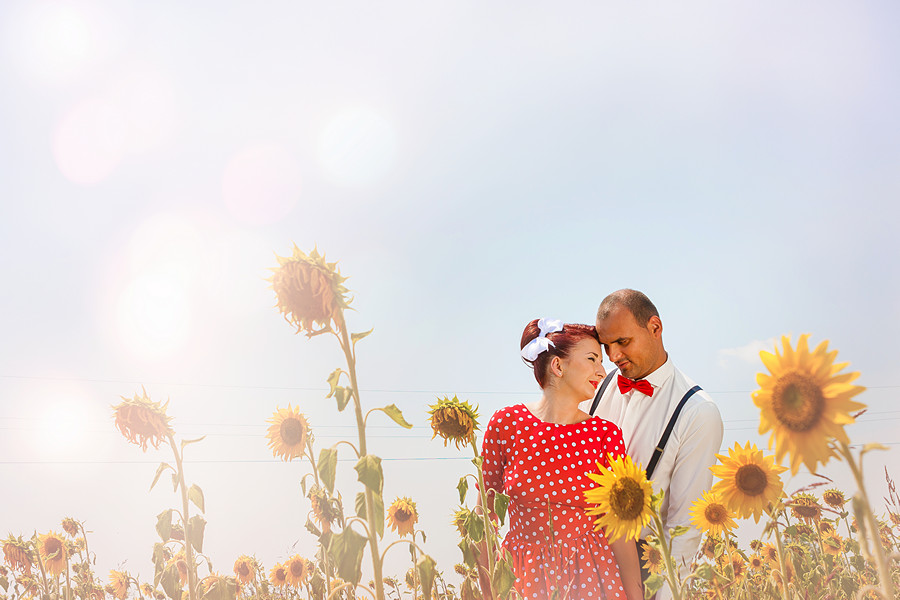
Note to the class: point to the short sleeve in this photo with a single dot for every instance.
(613, 444)
(493, 451)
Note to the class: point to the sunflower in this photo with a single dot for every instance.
(278, 575)
(738, 566)
(454, 420)
(309, 291)
(825, 526)
(244, 568)
(832, 543)
(297, 570)
(288, 433)
(180, 563)
(146, 589)
(756, 562)
(621, 499)
(118, 584)
(70, 526)
(750, 481)
(402, 515)
(141, 420)
(710, 542)
(218, 587)
(805, 402)
(52, 548)
(97, 593)
(834, 498)
(325, 509)
(17, 554)
(805, 506)
(652, 558)
(710, 515)
(460, 517)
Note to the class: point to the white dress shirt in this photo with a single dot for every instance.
(683, 469)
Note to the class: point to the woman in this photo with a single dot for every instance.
(539, 453)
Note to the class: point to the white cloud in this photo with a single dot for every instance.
(748, 353)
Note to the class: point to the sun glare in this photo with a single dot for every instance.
(358, 147)
(52, 41)
(154, 315)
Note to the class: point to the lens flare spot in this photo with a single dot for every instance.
(51, 41)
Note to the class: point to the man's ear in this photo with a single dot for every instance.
(654, 325)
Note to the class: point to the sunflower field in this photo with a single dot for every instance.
(819, 542)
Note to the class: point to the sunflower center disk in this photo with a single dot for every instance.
(402, 516)
(715, 514)
(751, 480)
(626, 498)
(798, 402)
(292, 431)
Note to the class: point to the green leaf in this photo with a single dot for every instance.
(197, 525)
(164, 524)
(705, 571)
(378, 506)
(463, 487)
(425, 568)
(872, 446)
(468, 552)
(503, 577)
(327, 467)
(333, 381)
(311, 527)
(355, 337)
(4, 583)
(159, 561)
(342, 395)
(193, 441)
(360, 505)
(346, 549)
(475, 527)
(653, 584)
(159, 471)
(171, 582)
(501, 503)
(369, 472)
(220, 589)
(195, 495)
(477, 462)
(393, 412)
(679, 530)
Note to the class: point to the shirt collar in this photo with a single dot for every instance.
(659, 377)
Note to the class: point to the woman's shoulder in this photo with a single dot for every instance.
(509, 413)
(601, 424)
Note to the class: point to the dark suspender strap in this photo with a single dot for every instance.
(602, 389)
(651, 466)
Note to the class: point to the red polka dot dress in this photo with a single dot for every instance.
(542, 468)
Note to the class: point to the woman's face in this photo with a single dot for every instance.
(582, 370)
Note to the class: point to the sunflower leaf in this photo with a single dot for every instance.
(679, 530)
(342, 395)
(393, 412)
(195, 495)
(346, 549)
(4, 583)
(311, 527)
(653, 584)
(194, 441)
(503, 578)
(873, 446)
(378, 502)
(333, 380)
(475, 527)
(196, 527)
(477, 462)
(370, 473)
(159, 471)
(705, 571)
(164, 524)
(328, 467)
(159, 561)
(355, 337)
(501, 503)
(171, 583)
(468, 552)
(425, 569)
(463, 487)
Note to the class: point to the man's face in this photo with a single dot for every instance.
(636, 349)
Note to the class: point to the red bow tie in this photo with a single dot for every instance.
(641, 385)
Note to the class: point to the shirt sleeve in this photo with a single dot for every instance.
(493, 451)
(700, 442)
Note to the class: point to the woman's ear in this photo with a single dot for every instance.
(556, 366)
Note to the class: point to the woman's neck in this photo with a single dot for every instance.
(555, 406)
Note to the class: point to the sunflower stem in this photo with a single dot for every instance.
(349, 354)
(188, 548)
(884, 573)
(671, 571)
(486, 516)
(312, 461)
(782, 562)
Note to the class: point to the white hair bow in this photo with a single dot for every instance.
(541, 343)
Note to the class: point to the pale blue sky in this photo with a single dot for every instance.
(471, 167)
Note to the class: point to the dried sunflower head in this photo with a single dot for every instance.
(17, 553)
(454, 420)
(309, 291)
(143, 421)
(402, 515)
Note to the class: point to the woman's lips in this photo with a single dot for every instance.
(594, 383)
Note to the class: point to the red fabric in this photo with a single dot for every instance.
(641, 385)
(542, 468)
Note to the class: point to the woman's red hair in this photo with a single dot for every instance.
(563, 341)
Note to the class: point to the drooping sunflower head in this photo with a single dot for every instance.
(832, 543)
(278, 575)
(288, 433)
(70, 526)
(621, 499)
(245, 568)
(52, 548)
(460, 517)
(179, 563)
(402, 515)
(805, 401)
(142, 421)
(219, 587)
(146, 590)
(17, 554)
(770, 554)
(454, 420)
(711, 515)
(805, 506)
(749, 480)
(297, 570)
(118, 584)
(324, 507)
(652, 557)
(834, 498)
(310, 292)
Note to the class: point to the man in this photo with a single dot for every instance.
(641, 397)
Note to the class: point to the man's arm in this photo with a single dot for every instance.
(700, 441)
